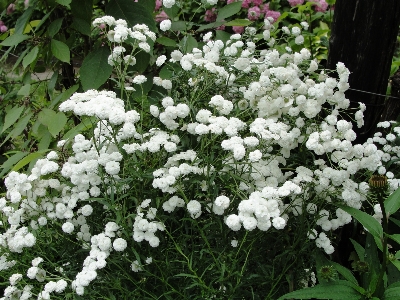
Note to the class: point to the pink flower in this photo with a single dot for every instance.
(257, 2)
(222, 27)
(210, 15)
(273, 14)
(162, 16)
(238, 29)
(265, 8)
(246, 3)
(295, 2)
(3, 28)
(10, 9)
(158, 5)
(26, 3)
(254, 13)
(321, 5)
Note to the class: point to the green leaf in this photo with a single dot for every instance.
(238, 22)
(229, 10)
(166, 41)
(391, 294)
(14, 39)
(9, 163)
(19, 127)
(24, 90)
(58, 124)
(188, 43)
(54, 27)
(23, 20)
(359, 249)
(46, 116)
(371, 224)
(133, 12)
(179, 26)
(64, 2)
(82, 15)
(64, 95)
(211, 25)
(339, 289)
(142, 61)
(27, 159)
(396, 263)
(392, 203)
(30, 57)
(60, 50)
(346, 273)
(222, 35)
(95, 70)
(395, 237)
(84, 125)
(12, 116)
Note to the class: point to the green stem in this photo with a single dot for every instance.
(384, 247)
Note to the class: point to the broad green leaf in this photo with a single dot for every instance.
(222, 35)
(171, 12)
(82, 15)
(43, 20)
(346, 273)
(30, 57)
(45, 141)
(46, 116)
(392, 294)
(64, 95)
(95, 70)
(188, 43)
(12, 116)
(133, 12)
(179, 26)
(396, 263)
(10, 162)
(14, 40)
(150, 5)
(27, 159)
(339, 290)
(166, 41)
(23, 20)
(54, 27)
(229, 10)
(64, 2)
(392, 203)
(24, 90)
(60, 50)
(57, 124)
(142, 61)
(371, 224)
(238, 22)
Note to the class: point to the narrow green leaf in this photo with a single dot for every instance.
(86, 124)
(396, 263)
(30, 57)
(371, 224)
(95, 70)
(166, 41)
(27, 159)
(23, 20)
(60, 50)
(395, 237)
(395, 221)
(222, 35)
(392, 203)
(57, 123)
(82, 15)
(11, 161)
(238, 22)
(12, 116)
(54, 27)
(339, 290)
(210, 26)
(188, 43)
(346, 273)
(14, 39)
(64, 95)
(18, 128)
(229, 10)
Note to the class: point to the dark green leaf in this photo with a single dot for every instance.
(339, 290)
(14, 39)
(60, 50)
(82, 15)
(166, 41)
(64, 95)
(229, 10)
(27, 159)
(54, 27)
(392, 203)
(222, 35)
(188, 43)
(64, 2)
(133, 12)
(359, 249)
(392, 294)
(18, 128)
(23, 20)
(371, 224)
(30, 57)
(179, 26)
(238, 22)
(12, 116)
(346, 273)
(95, 70)
(9, 163)
(142, 61)
(395, 237)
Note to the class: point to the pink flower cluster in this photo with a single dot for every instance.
(321, 5)
(293, 3)
(3, 28)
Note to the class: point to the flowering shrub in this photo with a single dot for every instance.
(186, 191)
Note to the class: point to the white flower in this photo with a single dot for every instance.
(160, 60)
(87, 210)
(68, 227)
(212, 2)
(255, 155)
(168, 3)
(233, 222)
(119, 244)
(194, 208)
(279, 223)
(139, 79)
(112, 167)
(165, 25)
(135, 266)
